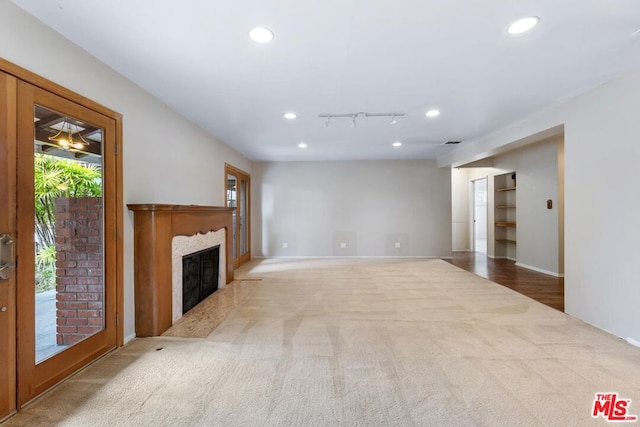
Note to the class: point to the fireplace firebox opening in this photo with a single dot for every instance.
(200, 272)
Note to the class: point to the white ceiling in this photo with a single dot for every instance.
(347, 56)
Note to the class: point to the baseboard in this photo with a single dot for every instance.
(461, 251)
(633, 342)
(502, 257)
(539, 270)
(353, 257)
(129, 338)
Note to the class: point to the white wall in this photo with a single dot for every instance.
(602, 149)
(602, 202)
(460, 210)
(369, 205)
(167, 159)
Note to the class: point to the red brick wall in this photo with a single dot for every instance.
(79, 268)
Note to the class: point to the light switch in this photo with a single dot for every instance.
(343, 245)
(285, 245)
(397, 245)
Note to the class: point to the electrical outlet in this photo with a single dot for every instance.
(285, 245)
(397, 245)
(343, 245)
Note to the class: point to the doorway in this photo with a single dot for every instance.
(59, 246)
(237, 189)
(479, 238)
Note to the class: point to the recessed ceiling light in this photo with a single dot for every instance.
(261, 35)
(433, 113)
(397, 144)
(302, 145)
(289, 116)
(523, 25)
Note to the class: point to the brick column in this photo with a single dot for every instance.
(79, 268)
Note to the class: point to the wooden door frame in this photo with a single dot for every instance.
(230, 169)
(8, 346)
(24, 75)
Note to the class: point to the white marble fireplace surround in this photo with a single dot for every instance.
(185, 245)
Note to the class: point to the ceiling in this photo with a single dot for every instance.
(351, 56)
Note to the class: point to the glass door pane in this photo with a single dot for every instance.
(69, 232)
(244, 209)
(232, 202)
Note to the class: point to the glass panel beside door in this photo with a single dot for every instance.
(232, 202)
(244, 209)
(69, 233)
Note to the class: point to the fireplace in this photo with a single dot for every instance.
(199, 276)
(161, 233)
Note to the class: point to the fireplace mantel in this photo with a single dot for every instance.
(155, 225)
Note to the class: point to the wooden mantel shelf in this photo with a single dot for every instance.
(177, 208)
(154, 227)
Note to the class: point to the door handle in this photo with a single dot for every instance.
(7, 256)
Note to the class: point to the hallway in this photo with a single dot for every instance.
(543, 288)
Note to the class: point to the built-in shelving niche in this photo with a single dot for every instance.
(505, 216)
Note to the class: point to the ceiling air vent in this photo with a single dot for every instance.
(451, 142)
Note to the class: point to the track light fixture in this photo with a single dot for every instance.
(361, 114)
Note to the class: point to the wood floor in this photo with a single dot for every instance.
(543, 288)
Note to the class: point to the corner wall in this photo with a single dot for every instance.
(314, 207)
(167, 159)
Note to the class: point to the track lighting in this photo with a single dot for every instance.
(355, 116)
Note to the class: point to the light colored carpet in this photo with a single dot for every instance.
(358, 343)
